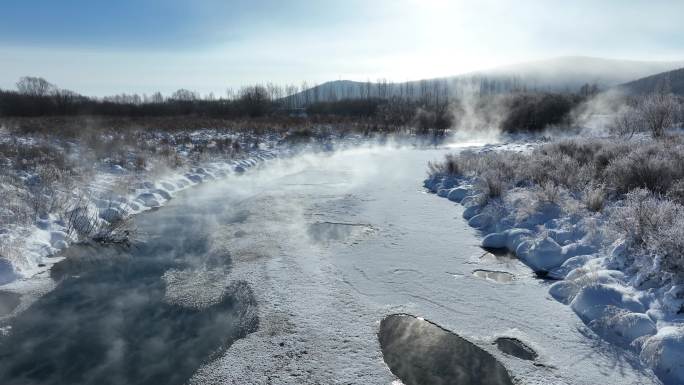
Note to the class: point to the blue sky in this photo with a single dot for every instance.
(103, 47)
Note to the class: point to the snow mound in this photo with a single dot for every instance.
(594, 302)
(495, 240)
(457, 194)
(541, 254)
(665, 353)
(480, 221)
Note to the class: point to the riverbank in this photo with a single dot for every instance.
(577, 211)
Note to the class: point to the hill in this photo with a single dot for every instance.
(561, 74)
(670, 80)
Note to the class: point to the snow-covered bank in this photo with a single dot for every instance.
(630, 299)
(101, 205)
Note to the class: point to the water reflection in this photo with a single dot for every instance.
(516, 348)
(494, 276)
(322, 232)
(422, 353)
(8, 302)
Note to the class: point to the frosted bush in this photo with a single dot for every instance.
(654, 230)
(594, 198)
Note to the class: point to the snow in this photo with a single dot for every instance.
(541, 254)
(592, 302)
(665, 353)
(34, 249)
(457, 194)
(570, 264)
(327, 299)
(480, 221)
(494, 240)
(595, 280)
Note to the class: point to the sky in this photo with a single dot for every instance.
(102, 47)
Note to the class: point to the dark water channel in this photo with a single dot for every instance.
(108, 322)
(422, 353)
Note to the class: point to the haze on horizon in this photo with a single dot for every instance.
(100, 48)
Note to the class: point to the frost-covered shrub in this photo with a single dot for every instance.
(627, 122)
(659, 112)
(618, 166)
(656, 167)
(641, 181)
(449, 166)
(676, 192)
(492, 183)
(594, 198)
(653, 229)
(548, 193)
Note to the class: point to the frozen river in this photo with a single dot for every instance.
(283, 276)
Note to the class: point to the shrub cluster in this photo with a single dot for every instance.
(617, 167)
(644, 179)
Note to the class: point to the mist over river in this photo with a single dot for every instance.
(284, 274)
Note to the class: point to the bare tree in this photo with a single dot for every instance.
(255, 100)
(157, 98)
(627, 122)
(184, 95)
(35, 86)
(659, 112)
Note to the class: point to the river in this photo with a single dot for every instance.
(284, 274)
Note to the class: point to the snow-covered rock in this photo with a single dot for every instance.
(625, 327)
(457, 194)
(495, 240)
(577, 248)
(595, 301)
(592, 276)
(563, 291)
(665, 353)
(448, 183)
(472, 200)
(111, 214)
(516, 237)
(168, 186)
(562, 237)
(149, 199)
(570, 264)
(163, 193)
(194, 178)
(673, 299)
(480, 221)
(541, 254)
(182, 183)
(471, 211)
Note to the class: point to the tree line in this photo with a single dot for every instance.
(424, 106)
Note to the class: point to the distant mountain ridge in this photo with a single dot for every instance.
(560, 74)
(574, 71)
(672, 81)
